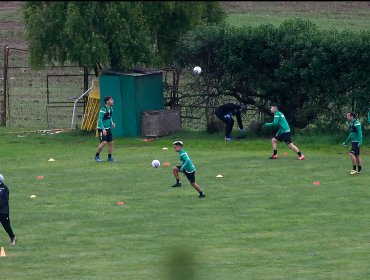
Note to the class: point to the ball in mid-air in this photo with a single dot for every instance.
(156, 163)
(197, 70)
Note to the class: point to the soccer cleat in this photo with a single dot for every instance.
(202, 195)
(111, 159)
(301, 157)
(97, 159)
(227, 138)
(13, 241)
(273, 157)
(353, 172)
(176, 185)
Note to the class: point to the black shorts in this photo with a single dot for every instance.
(190, 176)
(108, 137)
(355, 150)
(284, 137)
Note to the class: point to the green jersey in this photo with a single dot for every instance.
(355, 132)
(280, 120)
(187, 165)
(105, 118)
(368, 116)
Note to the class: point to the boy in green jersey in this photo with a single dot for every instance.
(283, 133)
(368, 116)
(187, 168)
(355, 136)
(105, 125)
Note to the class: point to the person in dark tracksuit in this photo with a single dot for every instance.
(4, 211)
(225, 112)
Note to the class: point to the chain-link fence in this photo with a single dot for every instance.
(39, 98)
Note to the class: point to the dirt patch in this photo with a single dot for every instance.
(10, 5)
(296, 6)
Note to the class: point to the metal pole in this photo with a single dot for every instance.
(5, 77)
(74, 106)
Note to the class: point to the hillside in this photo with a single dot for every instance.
(12, 29)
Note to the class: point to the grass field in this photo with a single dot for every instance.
(263, 220)
(351, 15)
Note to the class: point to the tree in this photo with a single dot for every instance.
(312, 74)
(92, 34)
(118, 35)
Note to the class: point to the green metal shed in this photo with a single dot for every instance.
(132, 93)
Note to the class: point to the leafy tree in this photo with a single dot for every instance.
(313, 75)
(119, 35)
(168, 20)
(92, 34)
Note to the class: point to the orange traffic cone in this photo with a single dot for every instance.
(2, 252)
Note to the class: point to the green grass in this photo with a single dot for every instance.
(263, 220)
(330, 23)
(326, 15)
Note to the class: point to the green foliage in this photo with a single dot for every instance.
(118, 35)
(312, 74)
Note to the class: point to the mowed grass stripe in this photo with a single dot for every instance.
(265, 219)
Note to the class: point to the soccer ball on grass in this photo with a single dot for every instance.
(156, 163)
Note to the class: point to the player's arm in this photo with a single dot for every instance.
(359, 134)
(100, 118)
(111, 120)
(347, 140)
(275, 122)
(186, 161)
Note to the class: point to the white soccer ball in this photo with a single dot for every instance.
(197, 70)
(156, 163)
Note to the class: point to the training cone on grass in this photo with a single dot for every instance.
(219, 176)
(2, 252)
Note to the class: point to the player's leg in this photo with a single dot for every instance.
(359, 164)
(103, 141)
(5, 221)
(175, 171)
(229, 128)
(191, 178)
(274, 147)
(110, 151)
(352, 155)
(288, 140)
(355, 157)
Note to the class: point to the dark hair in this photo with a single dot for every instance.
(106, 99)
(352, 114)
(274, 105)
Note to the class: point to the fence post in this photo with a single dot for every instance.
(3, 108)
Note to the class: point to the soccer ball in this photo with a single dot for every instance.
(156, 163)
(197, 70)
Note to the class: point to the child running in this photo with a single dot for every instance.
(187, 168)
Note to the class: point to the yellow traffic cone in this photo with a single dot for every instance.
(2, 252)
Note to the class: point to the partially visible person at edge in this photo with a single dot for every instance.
(4, 211)
(283, 133)
(355, 136)
(105, 125)
(225, 113)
